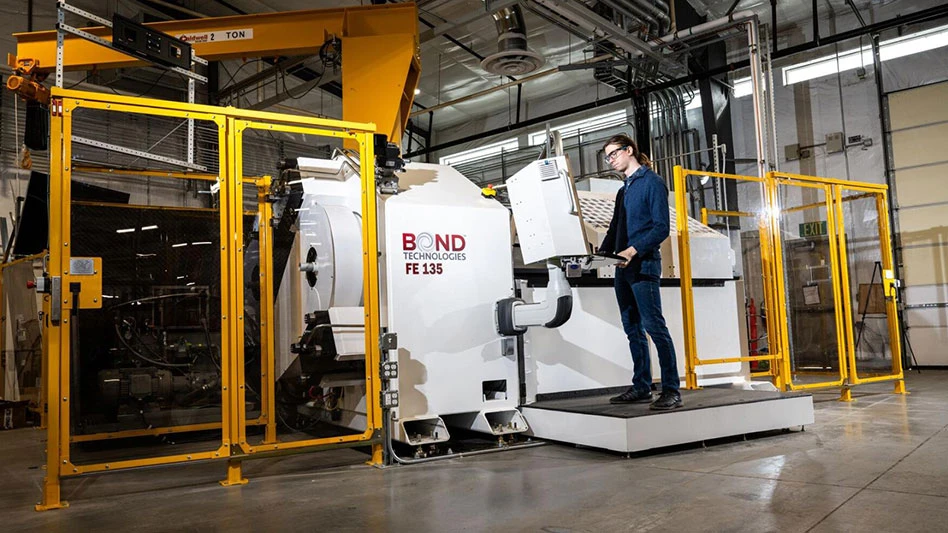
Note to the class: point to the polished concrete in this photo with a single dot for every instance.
(878, 464)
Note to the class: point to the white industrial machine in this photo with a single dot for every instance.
(445, 263)
(470, 352)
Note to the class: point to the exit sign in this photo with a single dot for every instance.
(813, 229)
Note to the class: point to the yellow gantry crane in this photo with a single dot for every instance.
(380, 61)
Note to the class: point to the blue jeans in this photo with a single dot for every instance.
(640, 306)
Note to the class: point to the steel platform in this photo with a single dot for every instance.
(587, 417)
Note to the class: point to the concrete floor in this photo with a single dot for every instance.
(879, 464)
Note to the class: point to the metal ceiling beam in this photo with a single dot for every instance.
(597, 25)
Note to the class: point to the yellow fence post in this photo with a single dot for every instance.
(231, 200)
(846, 291)
(54, 406)
(836, 266)
(888, 274)
(779, 291)
(687, 297)
(370, 259)
(267, 354)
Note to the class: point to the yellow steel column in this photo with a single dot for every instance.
(229, 342)
(370, 266)
(267, 369)
(704, 216)
(58, 203)
(687, 298)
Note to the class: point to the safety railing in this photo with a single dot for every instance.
(808, 280)
(763, 228)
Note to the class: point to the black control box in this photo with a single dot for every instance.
(148, 44)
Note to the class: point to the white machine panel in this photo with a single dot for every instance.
(590, 351)
(547, 211)
(349, 338)
(447, 262)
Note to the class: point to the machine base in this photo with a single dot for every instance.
(710, 413)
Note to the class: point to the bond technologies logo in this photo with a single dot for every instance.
(437, 247)
(425, 252)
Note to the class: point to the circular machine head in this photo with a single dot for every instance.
(330, 244)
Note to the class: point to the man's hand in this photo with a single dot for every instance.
(627, 254)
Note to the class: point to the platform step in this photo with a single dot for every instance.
(709, 413)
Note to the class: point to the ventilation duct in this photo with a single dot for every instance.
(512, 57)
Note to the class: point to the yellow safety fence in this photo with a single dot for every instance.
(226, 127)
(815, 314)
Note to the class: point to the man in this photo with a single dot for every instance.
(639, 225)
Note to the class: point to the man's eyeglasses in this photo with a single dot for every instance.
(610, 157)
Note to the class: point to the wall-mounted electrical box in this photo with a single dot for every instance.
(791, 152)
(834, 142)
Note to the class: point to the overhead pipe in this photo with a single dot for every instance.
(749, 20)
(659, 134)
(734, 19)
(679, 127)
(682, 121)
(598, 26)
(753, 46)
(772, 104)
(659, 149)
(667, 145)
(670, 140)
(670, 148)
(654, 11)
(654, 147)
(675, 119)
(630, 12)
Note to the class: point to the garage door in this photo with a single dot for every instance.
(918, 121)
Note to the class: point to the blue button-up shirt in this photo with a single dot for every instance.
(646, 214)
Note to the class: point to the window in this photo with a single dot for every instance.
(829, 65)
(891, 49)
(743, 87)
(617, 118)
(479, 152)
